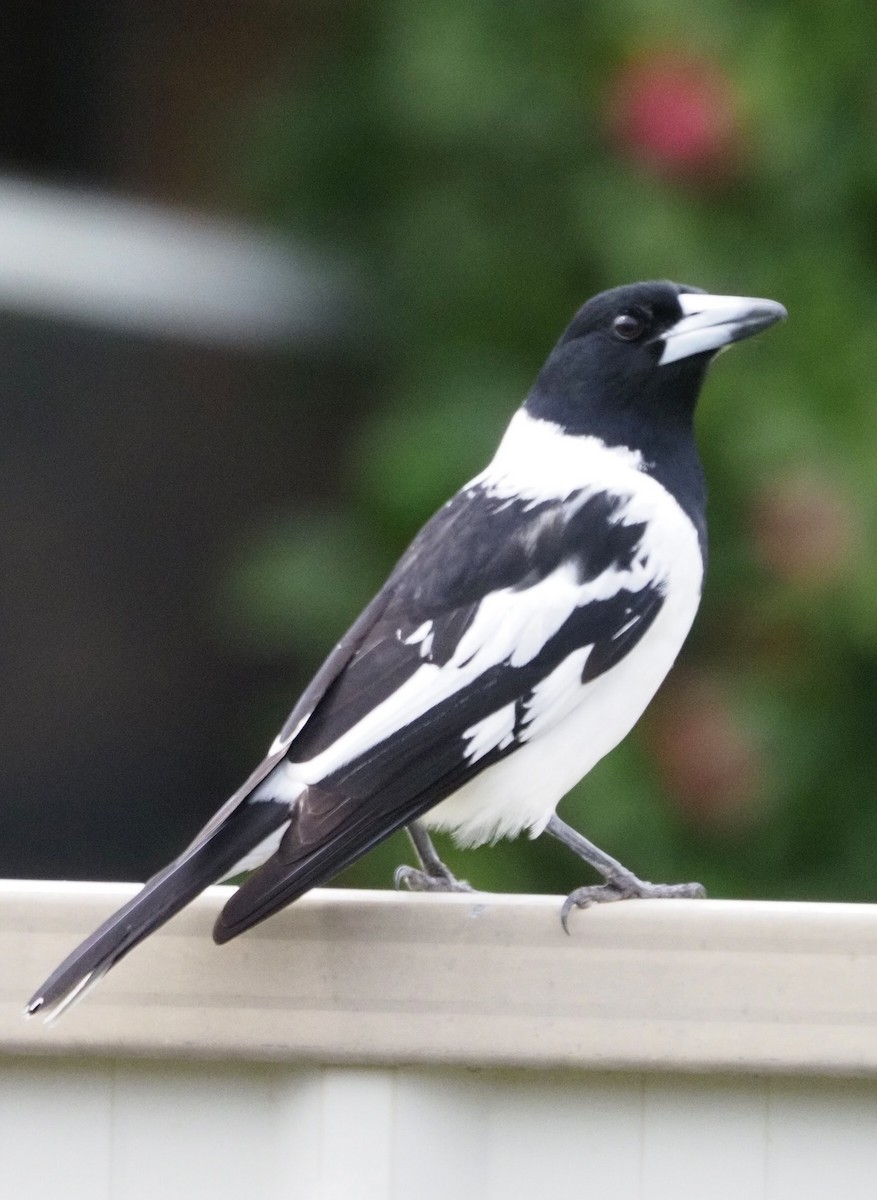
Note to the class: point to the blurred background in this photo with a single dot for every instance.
(272, 280)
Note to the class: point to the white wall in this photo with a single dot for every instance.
(123, 1130)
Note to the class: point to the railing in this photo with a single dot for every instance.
(377, 1045)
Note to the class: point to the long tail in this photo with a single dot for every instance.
(209, 859)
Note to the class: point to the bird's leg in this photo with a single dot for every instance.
(620, 884)
(433, 875)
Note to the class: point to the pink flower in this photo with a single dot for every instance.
(676, 115)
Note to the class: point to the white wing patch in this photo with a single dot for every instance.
(554, 697)
(513, 626)
(423, 635)
(493, 733)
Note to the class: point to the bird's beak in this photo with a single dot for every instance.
(710, 322)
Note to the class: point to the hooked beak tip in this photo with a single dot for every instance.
(709, 323)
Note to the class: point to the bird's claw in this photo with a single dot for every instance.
(627, 889)
(427, 881)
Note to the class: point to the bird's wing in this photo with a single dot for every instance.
(480, 640)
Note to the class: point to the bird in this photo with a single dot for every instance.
(517, 641)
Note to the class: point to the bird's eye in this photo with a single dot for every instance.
(628, 326)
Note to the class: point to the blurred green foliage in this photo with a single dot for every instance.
(486, 167)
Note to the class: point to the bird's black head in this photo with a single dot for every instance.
(630, 365)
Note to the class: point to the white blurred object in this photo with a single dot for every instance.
(128, 264)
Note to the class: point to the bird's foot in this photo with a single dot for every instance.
(433, 875)
(436, 879)
(628, 887)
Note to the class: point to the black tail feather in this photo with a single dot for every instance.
(163, 896)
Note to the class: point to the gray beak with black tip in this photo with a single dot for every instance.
(710, 322)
